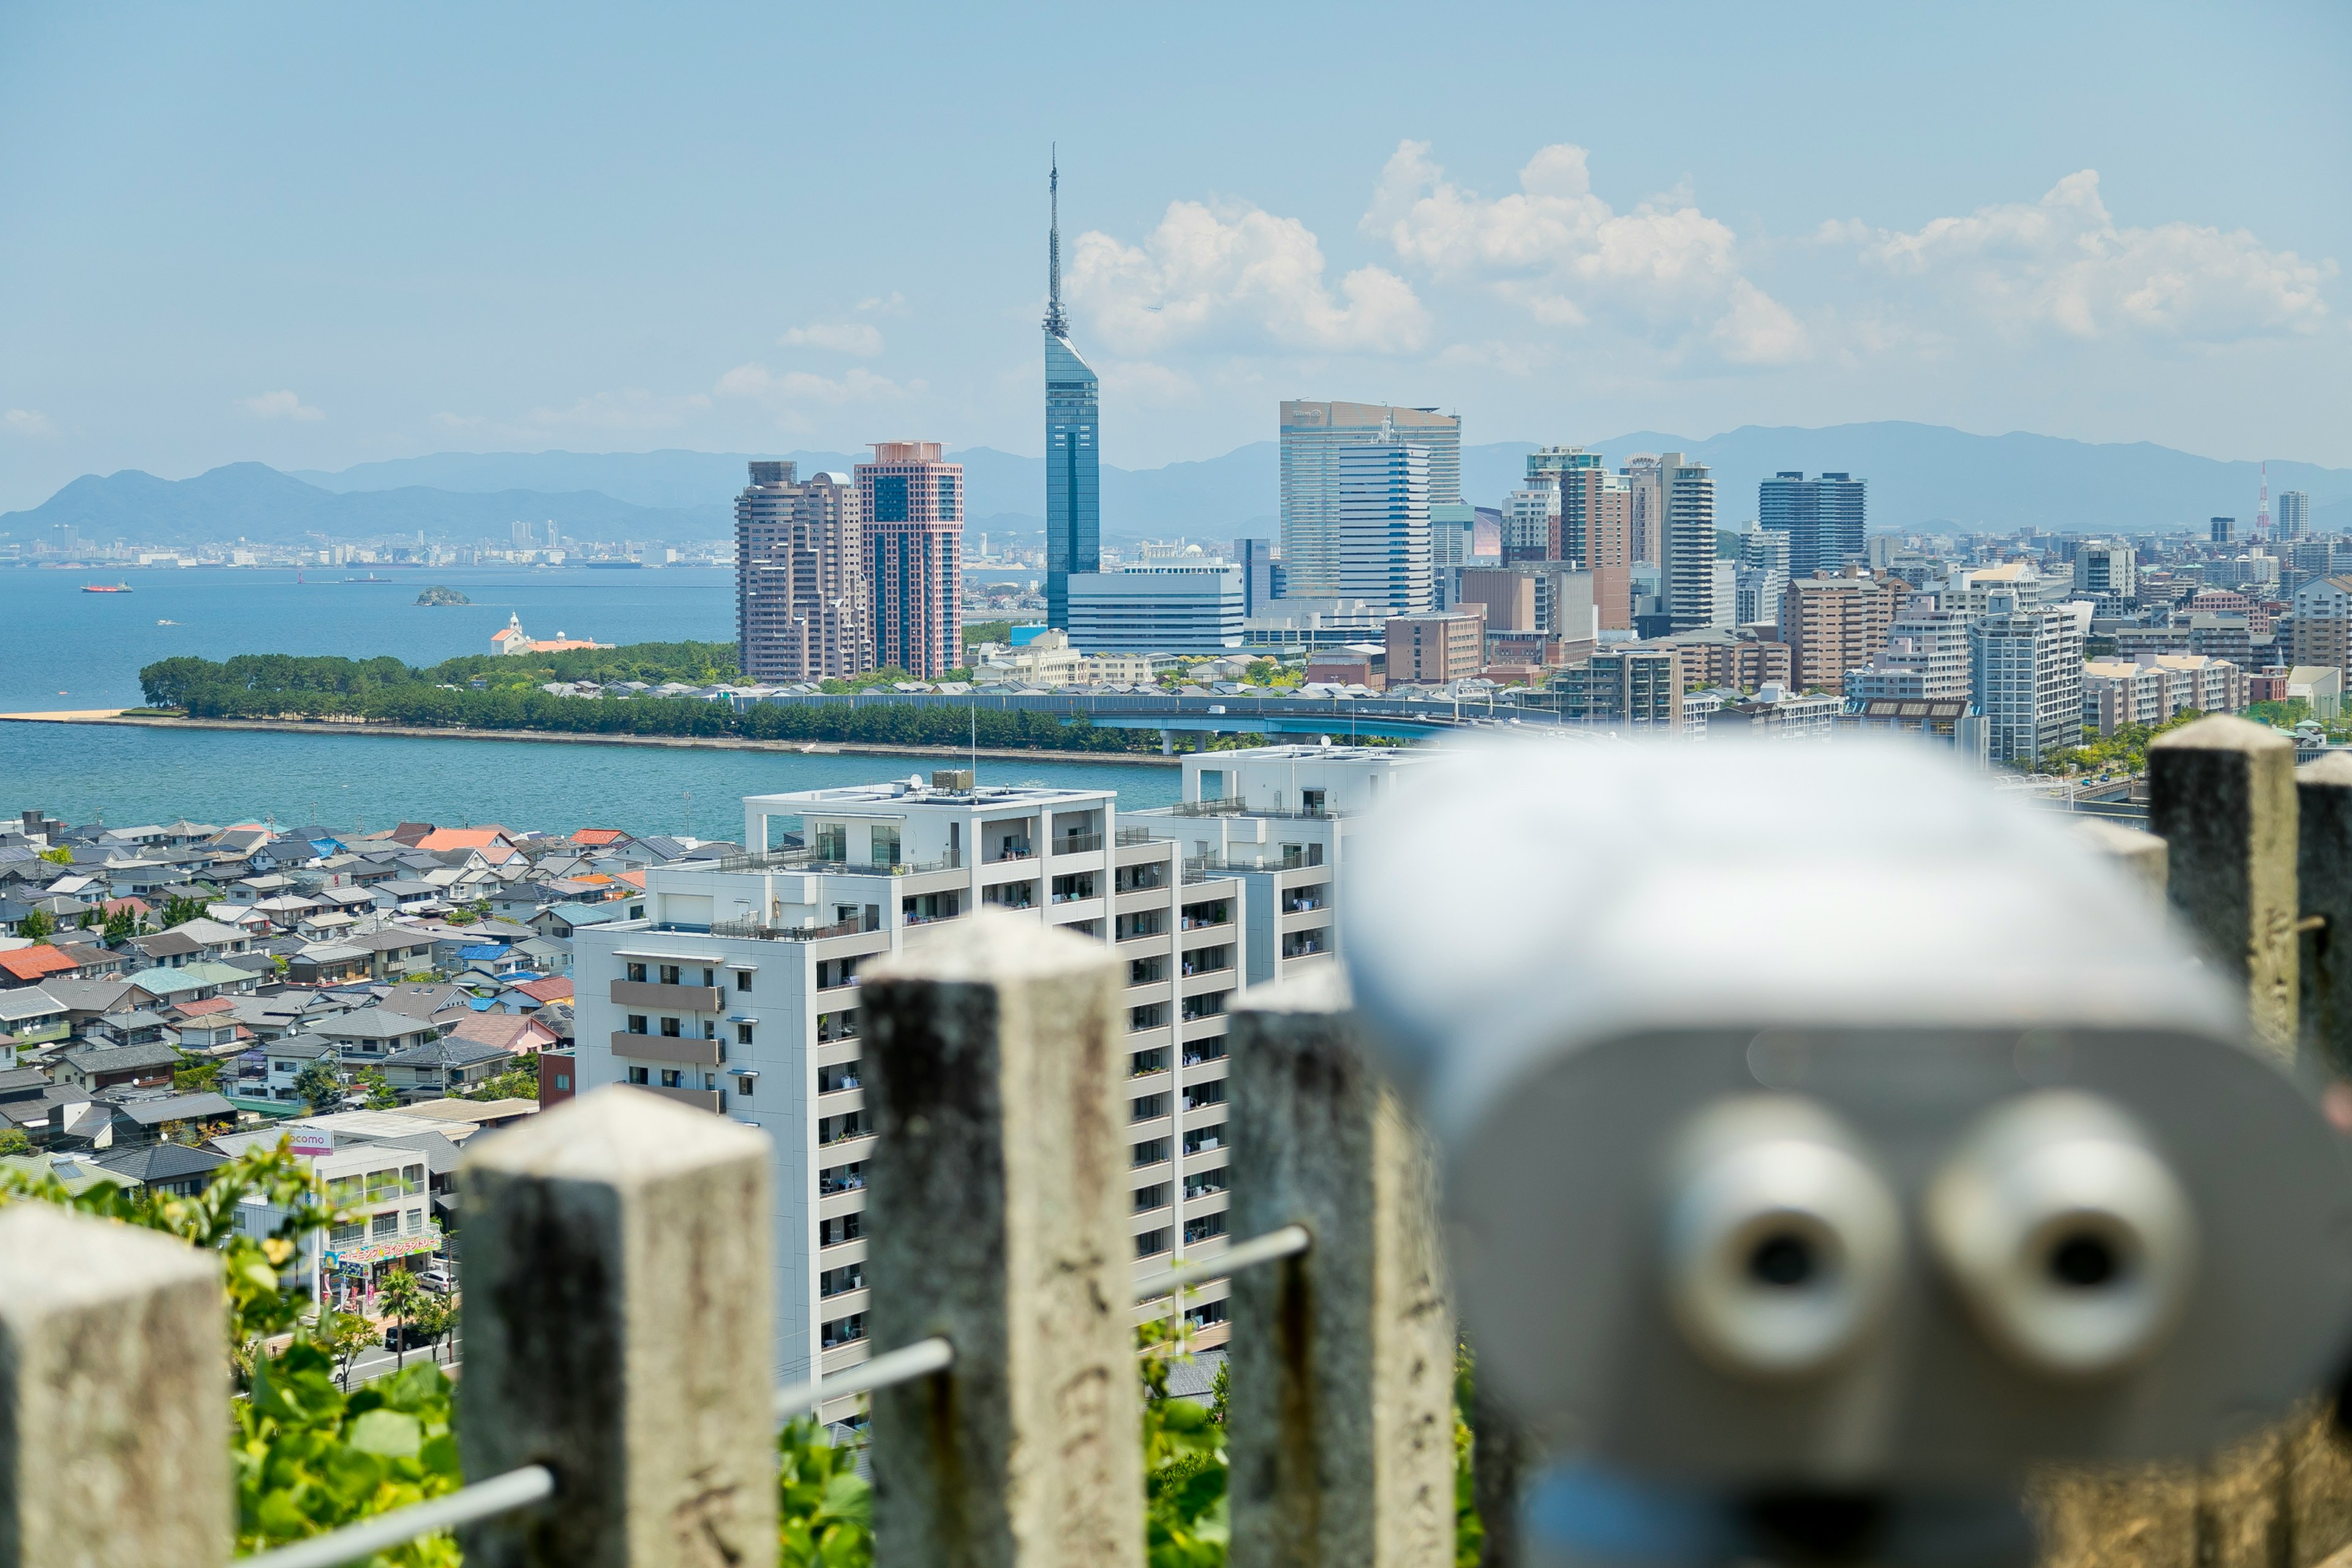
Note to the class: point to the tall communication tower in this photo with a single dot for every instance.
(2262, 511)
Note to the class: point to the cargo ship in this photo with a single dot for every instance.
(106, 587)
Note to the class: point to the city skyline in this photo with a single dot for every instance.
(1550, 276)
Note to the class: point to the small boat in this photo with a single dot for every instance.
(167, 623)
(106, 587)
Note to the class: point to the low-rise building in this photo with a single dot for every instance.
(1435, 648)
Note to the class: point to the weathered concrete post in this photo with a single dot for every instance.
(2323, 875)
(1341, 1409)
(620, 1301)
(113, 1395)
(2221, 795)
(2139, 856)
(997, 1218)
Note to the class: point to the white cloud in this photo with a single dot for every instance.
(629, 411)
(891, 304)
(1240, 277)
(1567, 257)
(860, 337)
(1145, 384)
(30, 423)
(859, 385)
(278, 406)
(2063, 264)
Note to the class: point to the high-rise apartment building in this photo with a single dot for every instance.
(1824, 518)
(1383, 497)
(738, 994)
(1531, 521)
(910, 506)
(2106, 570)
(1925, 658)
(800, 585)
(2027, 680)
(2293, 518)
(1645, 506)
(2220, 529)
(1687, 556)
(1639, 688)
(1833, 625)
(1073, 440)
(1279, 819)
(1313, 437)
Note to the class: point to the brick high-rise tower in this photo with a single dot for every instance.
(911, 507)
(800, 589)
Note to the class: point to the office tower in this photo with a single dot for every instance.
(1687, 541)
(1381, 504)
(1646, 502)
(1159, 608)
(1833, 625)
(1256, 559)
(800, 590)
(1073, 440)
(2103, 569)
(910, 511)
(1452, 535)
(554, 540)
(2027, 680)
(518, 534)
(2292, 519)
(1824, 518)
(1313, 437)
(1531, 522)
(736, 993)
(2222, 528)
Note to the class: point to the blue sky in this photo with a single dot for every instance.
(317, 236)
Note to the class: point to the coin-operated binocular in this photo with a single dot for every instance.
(1824, 1139)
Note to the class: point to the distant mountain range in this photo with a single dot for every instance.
(1920, 475)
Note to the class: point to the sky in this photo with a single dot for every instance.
(317, 236)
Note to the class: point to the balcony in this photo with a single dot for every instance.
(666, 1048)
(1077, 844)
(758, 931)
(656, 998)
(699, 1099)
(1018, 852)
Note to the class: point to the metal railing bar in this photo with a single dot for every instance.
(903, 1365)
(483, 1500)
(1287, 1242)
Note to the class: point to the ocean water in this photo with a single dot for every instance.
(69, 650)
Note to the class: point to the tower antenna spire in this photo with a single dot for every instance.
(1056, 322)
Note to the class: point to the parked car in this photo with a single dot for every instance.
(405, 1337)
(437, 1280)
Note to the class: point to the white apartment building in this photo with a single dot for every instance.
(738, 993)
(383, 1187)
(1529, 516)
(2027, 679)
(1925, 657)
(1277, 818)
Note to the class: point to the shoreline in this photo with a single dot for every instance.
(680, 743)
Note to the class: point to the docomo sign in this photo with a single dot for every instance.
(310, 1142)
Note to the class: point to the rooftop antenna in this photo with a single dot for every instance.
(2262, 511)
(1056, 322)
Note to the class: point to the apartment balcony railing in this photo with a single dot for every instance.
(762, 932)
(1009, 852)
(1077, 844)
(1132, 836)
(815, 861)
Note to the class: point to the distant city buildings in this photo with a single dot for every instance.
(1833, 625)
(1314, 435)
(2293, 518)
(801, 610)
(1073, 442)
(2027, 679)
(911, 504)
(1687, 555)
(1437, 648)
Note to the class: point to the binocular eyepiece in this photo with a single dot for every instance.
(1818, 1120)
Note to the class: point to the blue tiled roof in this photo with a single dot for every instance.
(483, 950)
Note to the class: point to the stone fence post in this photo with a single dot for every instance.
(998, 1220)
(114, 1420)
(2221, 795)
(620, 1303)
(1341, 1417)
(2138, 856)
(2323, 794)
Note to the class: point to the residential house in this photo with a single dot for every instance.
(31, 1104)
(513, 1033)
(99, 1069)
(192, 982)
(32, 965)
(534, 994)
(171, 1169)
(136, 1120)
(91, 960)
(76, 1173)
(30, 1020)
(393, 950)
(84, 1000)
(563, 920)
(369, 1035)
(328, 964)
(209, 1028)
(444, 1067)
(129, 1026)
(283, 1061)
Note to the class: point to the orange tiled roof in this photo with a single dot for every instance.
(209, 1005)
(31, 964)
(555, 988)
(463, 838)
(598, 835)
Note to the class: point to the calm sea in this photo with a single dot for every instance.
(71, 649)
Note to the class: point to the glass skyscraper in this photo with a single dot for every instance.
(1073, 442)
(1824, 518)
